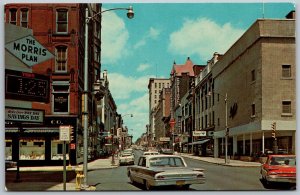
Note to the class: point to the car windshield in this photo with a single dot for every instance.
(283, 160)
(166, 161)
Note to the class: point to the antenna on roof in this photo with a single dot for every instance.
(263, 9)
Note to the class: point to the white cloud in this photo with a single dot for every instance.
(143, 67)
(152, 34)
(203, 37)
(114, 38)
(122, 86)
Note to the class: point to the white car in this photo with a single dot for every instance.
(151, 153)
(126, 158)
(164, 170)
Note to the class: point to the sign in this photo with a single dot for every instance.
(164, 139)
(64, 133)
(29, 51)
(26, 86)
(199, 133)
(24, 115)
(210, 133)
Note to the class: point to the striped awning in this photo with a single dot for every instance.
(33, 130)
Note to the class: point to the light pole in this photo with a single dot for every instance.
(226, 125)
(130, 15)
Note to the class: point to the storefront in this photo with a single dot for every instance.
(38, 146)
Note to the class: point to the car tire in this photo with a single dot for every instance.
(130, 178)
(186, 187)
(147, 185)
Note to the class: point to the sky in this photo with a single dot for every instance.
(161, 32)
(134, 50)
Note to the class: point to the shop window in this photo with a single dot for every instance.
(60, 95)
(61, 53)
(13, 16)
(24, 18)
(32, 150)
(57, 150)
(62, 21)
(8, 149)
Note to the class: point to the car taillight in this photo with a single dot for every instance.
(272, 173)
(199, 175)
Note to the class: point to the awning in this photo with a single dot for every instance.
(199, 142)
(33, 130)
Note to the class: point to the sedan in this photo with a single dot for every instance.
(126, 158)
(279, 169)
(164, 170)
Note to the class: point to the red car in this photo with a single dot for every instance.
(279, 168)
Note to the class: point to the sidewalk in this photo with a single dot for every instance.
(221, 161)
(55, 186)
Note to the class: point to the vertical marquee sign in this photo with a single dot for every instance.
(26, 86)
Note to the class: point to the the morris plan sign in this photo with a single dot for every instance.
(29, 50)
(24, 115)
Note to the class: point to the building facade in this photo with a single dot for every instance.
(257, 78)
(59, 28)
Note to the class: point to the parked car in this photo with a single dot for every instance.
(164, 170)
(150, 153)
(166, 151)
(126, 158)
(278, 169)
(10, 164)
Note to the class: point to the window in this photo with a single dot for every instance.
(286, 71)
(155, 85)
(24, 18)
(253, 110)
(60, 95)
(13, 16)
(286, 107)
(62, 21)
(253, 76)
(61, 59)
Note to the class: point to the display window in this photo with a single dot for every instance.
(32, 150)
(57, 150)
(8, 149)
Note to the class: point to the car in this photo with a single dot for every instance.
(10, 164)
(164, 170)
(166, 151)
(279, 168)
(150, 153)
(126, 158)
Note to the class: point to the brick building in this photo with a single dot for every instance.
(60, 29)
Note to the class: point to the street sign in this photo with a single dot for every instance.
(164, 139)
(64, 133)
(29, 51)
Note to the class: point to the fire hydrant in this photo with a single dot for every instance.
(79, 177)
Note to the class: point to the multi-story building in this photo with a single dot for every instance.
(154, 87)
(162, 115)
(59, 28)
(182, 77)
(257, 78)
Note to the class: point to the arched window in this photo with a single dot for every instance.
(61, 56)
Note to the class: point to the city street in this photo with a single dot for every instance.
(218, 178)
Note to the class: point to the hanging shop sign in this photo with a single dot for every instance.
(26, 86)
(199, 133)
(24, 115)
(29, 51)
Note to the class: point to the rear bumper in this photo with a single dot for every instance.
(274, 178)
(177, 182)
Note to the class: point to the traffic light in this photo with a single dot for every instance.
(71, 130)
(273, 127)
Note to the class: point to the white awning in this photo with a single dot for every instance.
(199, 142)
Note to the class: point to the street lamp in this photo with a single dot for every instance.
(226, 125)
(130, 15)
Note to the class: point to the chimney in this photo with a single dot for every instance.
(291, 15)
